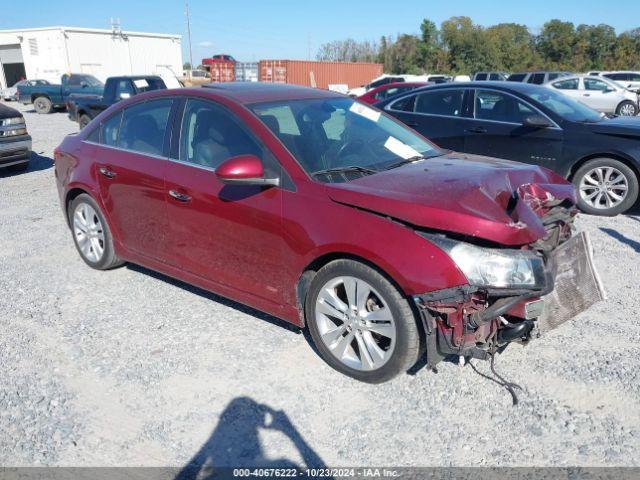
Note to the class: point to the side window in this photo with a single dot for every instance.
(481, 76)
(210, 135)
(634, 77)
(516, 77)
(111, 130)
(536, 78)
(500, 107)
(404, 104)
(440, 102)
(75, 80)
(144, 125)
(567, 84)
(495, 76)
(124, 89)
(593, 84)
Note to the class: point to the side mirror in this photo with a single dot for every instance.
(536, 121)
(244, 170)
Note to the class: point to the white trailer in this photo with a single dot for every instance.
(48, 53)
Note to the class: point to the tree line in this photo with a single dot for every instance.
(461, 47)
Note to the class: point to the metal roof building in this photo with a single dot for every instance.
(48, 53)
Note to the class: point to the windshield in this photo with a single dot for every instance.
(566, 107)
(338, 133)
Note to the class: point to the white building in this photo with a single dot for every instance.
(48, 53)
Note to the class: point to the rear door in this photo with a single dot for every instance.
(228, 234)
(598, 95)
(437, 114)
(131, 159)
(497, 130)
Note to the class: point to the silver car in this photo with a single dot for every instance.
(599, 93)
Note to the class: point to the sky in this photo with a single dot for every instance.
(294, 29)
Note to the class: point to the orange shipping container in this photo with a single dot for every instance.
(318, 74)
(223, 72)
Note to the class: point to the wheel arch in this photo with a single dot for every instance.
(311, 269)
(628, 161)
(38, 95)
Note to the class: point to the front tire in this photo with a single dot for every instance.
(627, 109)
(360, 323)
(605, 187)
(91, 234)
(43, 105)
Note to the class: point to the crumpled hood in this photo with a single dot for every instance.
(463, 194)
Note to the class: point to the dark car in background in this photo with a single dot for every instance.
(325, 212)
(45, 98)
(537, 78)
(83, 108)
(11, 93)
(15, 142)
(532, 124)
(389, 90)
(490, 76)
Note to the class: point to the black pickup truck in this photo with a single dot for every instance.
(84, 108)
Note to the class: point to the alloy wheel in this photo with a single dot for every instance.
(355, 323)
(627, 110)
(89, 233)
(604, 187)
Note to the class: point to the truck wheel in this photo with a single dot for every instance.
(360, 323)
(84, 120)
(43, 105)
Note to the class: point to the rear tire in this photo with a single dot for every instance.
(371, 341)
(84, 120)
(627, 109)
(91, 234)
(42, 105)
(605, 187)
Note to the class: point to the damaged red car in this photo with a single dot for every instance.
(331, 215)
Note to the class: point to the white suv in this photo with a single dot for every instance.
(626, 79)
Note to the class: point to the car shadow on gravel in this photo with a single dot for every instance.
(36, 163)
(235, 442)
(622, 238)
(216, 298)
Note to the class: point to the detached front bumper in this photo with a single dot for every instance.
(462, 320)
(15, 150)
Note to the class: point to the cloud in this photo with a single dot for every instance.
(205, 44)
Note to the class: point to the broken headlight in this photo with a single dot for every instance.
(492, 267)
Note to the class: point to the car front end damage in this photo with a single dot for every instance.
(514, 294)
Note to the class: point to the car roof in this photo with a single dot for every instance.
(498, 85)
(257, 92)
(402, 84)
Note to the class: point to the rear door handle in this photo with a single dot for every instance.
(181, 197)
(411, 124)
(476, 130)
(107, 172)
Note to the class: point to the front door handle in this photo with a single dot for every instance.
(476, 130)
(587, 94)
(411, 124)
(107, 172)
(181, 197)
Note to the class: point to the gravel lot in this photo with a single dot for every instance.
(128, 367)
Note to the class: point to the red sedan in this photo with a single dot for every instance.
(389, 90)
(326, 213)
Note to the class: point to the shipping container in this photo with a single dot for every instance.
(246, 72)
(318, 74)
(223, 72)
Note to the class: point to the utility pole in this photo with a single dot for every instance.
(189, 35)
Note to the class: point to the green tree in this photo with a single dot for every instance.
(513, 45)
(555, 44)
(467, 46)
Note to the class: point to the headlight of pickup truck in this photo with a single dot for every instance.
(491, 267)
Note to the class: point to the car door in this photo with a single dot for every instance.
(130, 160)
(570, 87)
(437, 114)
(598, 95)
(227, 234)
(497, 130)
